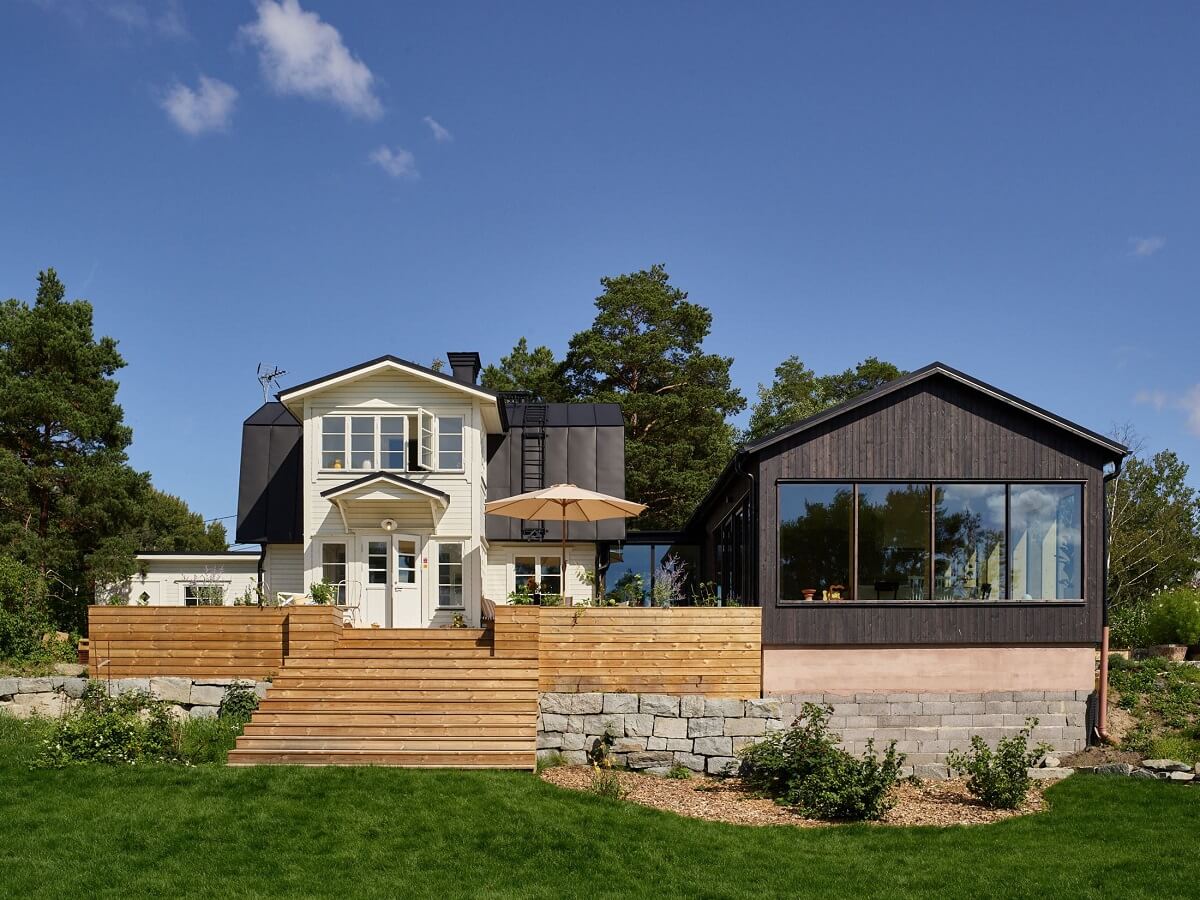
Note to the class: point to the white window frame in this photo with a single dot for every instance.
(462, 569)
(202, 585)
(377, 441)
(462, 444)
(538, 559)
(427, 430)
(344, 584)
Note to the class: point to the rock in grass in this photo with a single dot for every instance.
(1051, 762)
(1124, 769)
(1181, 776)
(1166, 765)
(1141, 773)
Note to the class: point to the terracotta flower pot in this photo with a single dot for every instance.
(1173, 652)
(808, 593)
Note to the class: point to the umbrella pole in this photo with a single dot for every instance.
(562, 562)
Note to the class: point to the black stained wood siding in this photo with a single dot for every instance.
(936, 430)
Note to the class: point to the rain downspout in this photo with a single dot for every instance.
(1102, 700)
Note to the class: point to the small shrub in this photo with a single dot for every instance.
(679, 772)
(1174, 617)
(322, 593)
(605, 783)
(239, 702)
(1000, 777)
(551, 760)
(802, 766)
(207, 741)
(115, 730)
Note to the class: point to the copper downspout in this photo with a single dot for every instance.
(1102, 693)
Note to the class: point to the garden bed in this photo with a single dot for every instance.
(939, 803)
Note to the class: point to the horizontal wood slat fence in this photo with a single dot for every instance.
(214, 641)
(685, 650)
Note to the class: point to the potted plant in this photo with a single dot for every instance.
(321, 593)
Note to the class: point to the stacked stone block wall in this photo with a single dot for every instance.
(50, 695)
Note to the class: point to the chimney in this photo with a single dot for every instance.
(465, 366)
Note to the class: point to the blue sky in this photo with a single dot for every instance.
(1010, 190)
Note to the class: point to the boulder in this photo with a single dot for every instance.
(206, 695)
(931, 771)
(34, 686)
(70, 670)
(203, 712)
(1181, 776)
(47, 705)
(721, 765)
(647, 759)
(1050, 773)
(1124, 769)
(173, 690)
(1166, 765)
(74, 687)
(8, 687)
(1141, 773)
(1050, 762)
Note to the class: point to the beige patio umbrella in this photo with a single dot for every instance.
(564, 503)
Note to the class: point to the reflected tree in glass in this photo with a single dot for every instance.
(814, 539)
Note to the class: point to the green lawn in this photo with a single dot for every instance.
(211, 831)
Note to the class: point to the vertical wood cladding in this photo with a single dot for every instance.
(936, 429)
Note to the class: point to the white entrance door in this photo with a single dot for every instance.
(375, 609)
(406, 587)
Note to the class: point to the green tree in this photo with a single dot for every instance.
(798, 392)
(536, 371)
(1154, 534)
(71, 507)
(644, 351)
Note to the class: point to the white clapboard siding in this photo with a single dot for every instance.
(283, 567)
(501, 558)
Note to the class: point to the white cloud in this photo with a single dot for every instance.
(164, 18)
(1146, 246)
(207, 108)
(397, 162)
(299, 54)
(1188, 402)
(441, 133)
(1155, 398)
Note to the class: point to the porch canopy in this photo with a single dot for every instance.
(381, 492)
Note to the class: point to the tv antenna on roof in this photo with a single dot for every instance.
(268, 377)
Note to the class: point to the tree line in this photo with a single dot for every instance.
(73, 511)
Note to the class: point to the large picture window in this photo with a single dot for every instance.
(912, 542)
(815, 523)
(1045, 530)
(893, 541)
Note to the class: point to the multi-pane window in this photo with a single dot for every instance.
(940, 542)
(450, 574)
(333, 442)
(362, 442)
(203, 595)
(450, 442)
(377, 560)
(392, 442)
(333, 568)
(427, 434)
(406, 562)
(538, 575)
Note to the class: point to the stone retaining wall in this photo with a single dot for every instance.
(198, 698)
(655, 731)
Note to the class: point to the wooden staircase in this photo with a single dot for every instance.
(460, 698)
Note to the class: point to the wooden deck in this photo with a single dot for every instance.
(462, 698)
(465, 698)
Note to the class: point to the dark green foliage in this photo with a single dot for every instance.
(1161, 694)
(24, 613)
(72, 507)
(679, 772)
(239, 703)
(798, 392)
(1154, 543)
(1174, 617)
(802, 766)
(126, 729)
(1000, 777)
(294, 831)
(207, 741)
(536, 371)
(645, 351)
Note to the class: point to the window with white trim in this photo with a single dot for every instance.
(425, 453)
(203, 595)
(333, 568)
(450, 442)
(537, 575)
(450, 575)
(374, 442)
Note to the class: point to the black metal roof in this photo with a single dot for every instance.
(450, 379)
(570, 415)
(937, 368)
(269, 480)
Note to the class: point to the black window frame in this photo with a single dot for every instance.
(1008, 483)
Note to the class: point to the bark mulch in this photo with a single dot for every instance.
(939, 803)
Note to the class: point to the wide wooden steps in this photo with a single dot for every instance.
(399, 697)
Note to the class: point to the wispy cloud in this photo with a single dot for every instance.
(441, 133)
(300, 54)
(207, 108)
(1146, 246)
(396, 161)
(156, 18)
(1188, 402)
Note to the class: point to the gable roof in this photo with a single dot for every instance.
(1114, 448)
(406, 483)
(381, 363)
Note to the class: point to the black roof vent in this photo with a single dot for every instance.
(465, 366)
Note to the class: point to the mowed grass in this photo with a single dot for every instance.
(272, 832)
